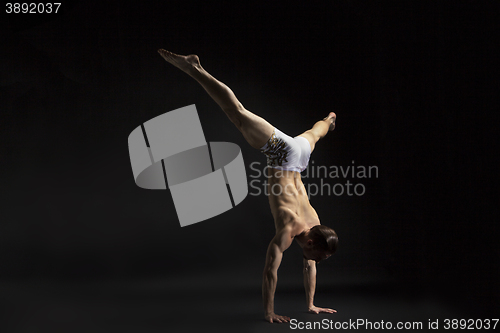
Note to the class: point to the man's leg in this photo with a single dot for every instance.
(320, 129)
(255, 129)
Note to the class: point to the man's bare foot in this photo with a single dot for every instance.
(332, 117)
(184, 63)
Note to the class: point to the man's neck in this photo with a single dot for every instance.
(302, 238)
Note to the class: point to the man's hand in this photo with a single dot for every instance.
(274, 318)
(316, 310)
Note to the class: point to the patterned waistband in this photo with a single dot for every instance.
(275, 150)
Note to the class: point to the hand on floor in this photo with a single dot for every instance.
(274, 318)
(316, 310)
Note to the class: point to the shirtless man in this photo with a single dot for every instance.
(294, 217)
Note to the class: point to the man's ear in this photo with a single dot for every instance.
(309, 242)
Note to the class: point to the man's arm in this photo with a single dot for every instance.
(278, 245)
(310, 286)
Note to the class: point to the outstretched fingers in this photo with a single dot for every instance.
(281, 319)
(317, 310)
(278, 319)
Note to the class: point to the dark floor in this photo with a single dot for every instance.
(205, 303)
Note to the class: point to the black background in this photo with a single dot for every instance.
(415, 89)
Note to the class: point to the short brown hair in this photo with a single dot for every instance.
(324, 238)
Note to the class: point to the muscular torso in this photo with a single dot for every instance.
(288, 197)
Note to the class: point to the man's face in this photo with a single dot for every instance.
(315, 255)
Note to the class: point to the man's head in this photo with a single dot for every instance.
(321, 243)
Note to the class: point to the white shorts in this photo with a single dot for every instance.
(286, 153)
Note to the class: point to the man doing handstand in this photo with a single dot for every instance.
(294, 217)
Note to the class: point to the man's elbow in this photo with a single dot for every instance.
(308, 266)
(270, 273)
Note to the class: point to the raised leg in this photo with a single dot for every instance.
(320, 129)
(255, 129)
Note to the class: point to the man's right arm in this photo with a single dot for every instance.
(278, 245)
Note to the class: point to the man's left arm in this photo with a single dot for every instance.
(310, 286)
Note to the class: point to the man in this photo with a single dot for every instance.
(294, 217)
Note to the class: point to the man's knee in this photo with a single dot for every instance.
(313, 135)
(235, 113)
